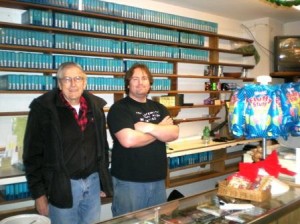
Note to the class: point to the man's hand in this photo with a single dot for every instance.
(164, 131)
(149, 127)
(145, 133)
(41, 205)
(167, 121)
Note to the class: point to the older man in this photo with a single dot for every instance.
(66, 150)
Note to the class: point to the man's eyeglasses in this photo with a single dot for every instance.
(68, 80)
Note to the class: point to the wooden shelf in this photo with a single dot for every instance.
(236, 154)
(234, 52)
(196, 106)
(288, 76)
(52, 71)
(42, 91)
(285, 74)
(175, 76)
(191, 178)
(200, 164)
(213, 111)
(177, 121)
(199, 176)
(3, 201)
(25, 113)
(230, 168)
(14, 113)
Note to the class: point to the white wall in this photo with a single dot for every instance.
(263, 31)
(292, 28)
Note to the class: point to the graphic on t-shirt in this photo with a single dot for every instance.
(148, 116)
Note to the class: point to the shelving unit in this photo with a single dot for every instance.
(8, 176)
(217, 165)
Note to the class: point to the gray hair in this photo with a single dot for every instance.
(64, 66)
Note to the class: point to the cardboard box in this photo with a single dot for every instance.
(168, 101)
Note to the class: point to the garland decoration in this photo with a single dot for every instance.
(288, 3)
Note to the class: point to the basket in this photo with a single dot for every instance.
(252, 195)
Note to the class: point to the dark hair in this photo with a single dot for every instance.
(130, 72)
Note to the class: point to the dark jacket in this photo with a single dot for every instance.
(45, 169)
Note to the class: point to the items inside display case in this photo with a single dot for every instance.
(189, 210)
(206, 209)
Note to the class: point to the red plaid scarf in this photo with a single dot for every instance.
(80, 118)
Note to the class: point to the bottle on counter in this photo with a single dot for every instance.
(206, 135)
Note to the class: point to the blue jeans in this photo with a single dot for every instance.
(86, 203)
(132, 196)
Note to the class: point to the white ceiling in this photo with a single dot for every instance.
(241, 10)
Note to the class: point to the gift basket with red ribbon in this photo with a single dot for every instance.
(254, 181)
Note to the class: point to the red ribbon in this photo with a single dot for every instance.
(270, 165)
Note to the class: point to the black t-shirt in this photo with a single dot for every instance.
(142, 164)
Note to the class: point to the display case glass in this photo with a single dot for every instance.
(205, 208)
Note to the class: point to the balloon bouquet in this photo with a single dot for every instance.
(264, 111)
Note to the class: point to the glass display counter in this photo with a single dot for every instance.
(204, 208)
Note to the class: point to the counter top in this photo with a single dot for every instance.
(175, 211)
(195, 145)
(9, 175)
